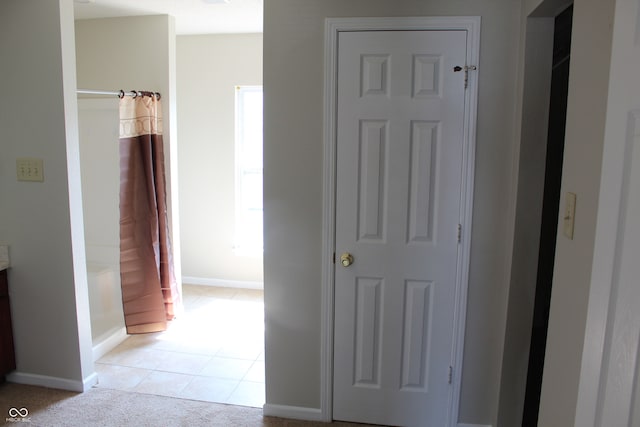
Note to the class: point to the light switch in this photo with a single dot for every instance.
(569, 214)
(29, 169)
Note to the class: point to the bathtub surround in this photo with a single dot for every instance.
(98, 130)
(105, 301)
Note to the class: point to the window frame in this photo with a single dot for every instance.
(242, 245)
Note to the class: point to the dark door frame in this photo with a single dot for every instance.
(550, 209)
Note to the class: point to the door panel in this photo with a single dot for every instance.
(424, 138)
(400, 118)
(371, 194)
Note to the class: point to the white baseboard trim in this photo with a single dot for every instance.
(313, 414)
(53, 382)
(292, 412)
(109, 343)
(90, 381)
(204, 281)
(474, 425)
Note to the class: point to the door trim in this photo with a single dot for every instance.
(333, 26)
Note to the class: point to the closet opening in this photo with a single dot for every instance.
(550, 209)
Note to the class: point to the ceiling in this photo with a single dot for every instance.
(192, 16)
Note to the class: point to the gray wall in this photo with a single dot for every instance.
(42, 222)
(586, 115)
(587, 103)
(293, 80)
(534, 112)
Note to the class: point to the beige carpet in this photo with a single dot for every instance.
(105, 407)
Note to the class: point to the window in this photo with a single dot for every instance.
(248, 231)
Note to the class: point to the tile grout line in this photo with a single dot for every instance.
(209, 357)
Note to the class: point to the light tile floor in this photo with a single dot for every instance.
(213, 352)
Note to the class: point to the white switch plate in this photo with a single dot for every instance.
(569, 214)
(4, 253)
(4, 257)
(29, 169)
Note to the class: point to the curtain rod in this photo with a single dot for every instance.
(119, 93)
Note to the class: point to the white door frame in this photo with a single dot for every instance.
(333, 26)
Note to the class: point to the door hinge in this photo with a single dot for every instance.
(466, 69)
(334, 257)
(450, 374)
(459, 233)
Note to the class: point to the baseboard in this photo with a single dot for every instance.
(53, 382)
(204, 281)
(313, 414)
(293, 412)
(90, 381)
(109, 343)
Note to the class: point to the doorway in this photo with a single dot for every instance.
(405, 204)
(213, 351)
(211, 106)
(550, 208)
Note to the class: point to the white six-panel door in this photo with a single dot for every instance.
(399, 175)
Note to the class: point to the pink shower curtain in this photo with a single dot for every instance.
(149, 291)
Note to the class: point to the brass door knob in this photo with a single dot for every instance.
(346, 259)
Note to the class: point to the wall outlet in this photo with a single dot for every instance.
(29, 169)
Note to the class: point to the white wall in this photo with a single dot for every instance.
(43, 221)
(208, 69)
(132, 53)
(293, 82)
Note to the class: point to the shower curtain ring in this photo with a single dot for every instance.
(121, 94)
